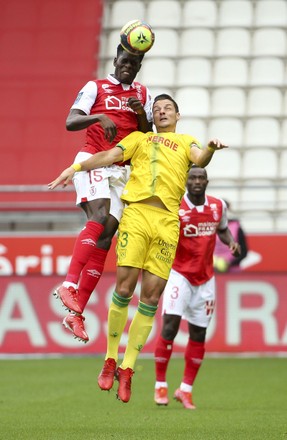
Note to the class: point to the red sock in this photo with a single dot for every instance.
(85, 243)
(91, 275)
(194, 354)
(162, 354)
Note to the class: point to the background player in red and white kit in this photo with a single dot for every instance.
(190, 290)
(109, 109)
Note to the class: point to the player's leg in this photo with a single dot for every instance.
(139, 330)
(160, 231)
(117, 318)
(96, 205)
(175, 295)
(92, 272)
(198, 315)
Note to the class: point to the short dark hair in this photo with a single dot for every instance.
(120, 50)
(166, 96)
(194, 166)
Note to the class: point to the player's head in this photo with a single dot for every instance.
(197, 182)
(126, 65)
(165, 96)
(165, 113)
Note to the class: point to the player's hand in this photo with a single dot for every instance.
(136, 105)
(108, 126)
(215, 144)
(65, 177)
(235, 249)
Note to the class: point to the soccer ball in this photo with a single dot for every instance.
(137, 37)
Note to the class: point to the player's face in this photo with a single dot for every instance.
(126, 67)
(197, 181)
(165, 116)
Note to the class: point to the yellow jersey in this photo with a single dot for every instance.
(159, 166)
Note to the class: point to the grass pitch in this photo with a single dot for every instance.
(58, 399)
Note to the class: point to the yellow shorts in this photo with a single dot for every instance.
(147, 239)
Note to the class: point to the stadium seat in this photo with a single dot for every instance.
(113, 41)
(228, 102)
(254, 221)
(157, 72)
(228, 130)
(281, 222)
(230, 72)
(159, 90)
(269, 42)
(225, 164)
(235, 13)
(282, 196)
(225, 189)
(194, 72)
(271, 13)
(267, 71)
(264, 101)
(201, 13)
(284, 135)
(193, 101)
(166, 44)
(124, 11)
(282, 173)
(194, 126)
(196, 42)
(258, 194)
(164, 14)
(233, 42)
(262, 132)
(260, 164)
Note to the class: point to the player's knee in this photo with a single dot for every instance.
(196, 333)
(169, 332)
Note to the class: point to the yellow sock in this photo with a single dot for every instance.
(139, 331)
(117, 319)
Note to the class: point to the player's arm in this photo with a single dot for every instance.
(226, 237)
(78, 120)
(202, 157)
(143, 124)
(104, 158)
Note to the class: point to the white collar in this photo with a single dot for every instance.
(113, 80)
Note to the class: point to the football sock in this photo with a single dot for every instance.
(194, 354)
(139, 331)
(84, 245)
(117, 319)
(91, 275)
(162, 353)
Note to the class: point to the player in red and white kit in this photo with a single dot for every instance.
(190, 290)
(109, 109)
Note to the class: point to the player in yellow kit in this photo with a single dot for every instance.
(149, 228)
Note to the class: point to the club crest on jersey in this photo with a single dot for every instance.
(139, 92)
(93, 190)
(214, 210)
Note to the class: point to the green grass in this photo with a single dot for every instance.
(59, 399)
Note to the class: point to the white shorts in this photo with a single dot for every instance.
(193, 303)
(101, 183)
